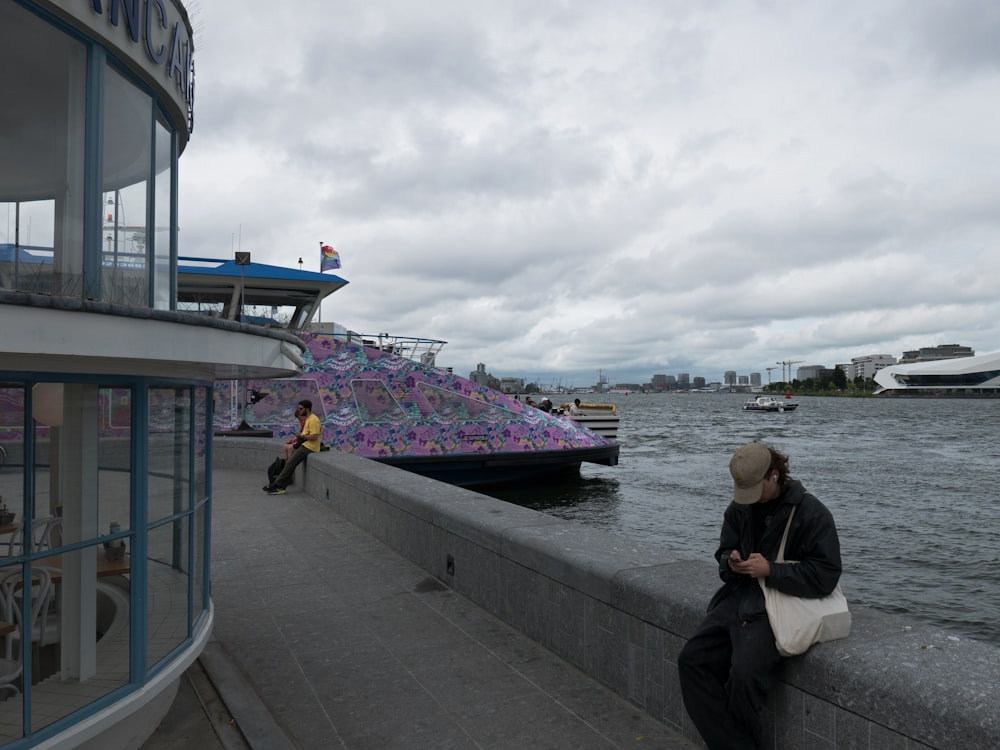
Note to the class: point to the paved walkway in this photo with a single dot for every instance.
(328, 639)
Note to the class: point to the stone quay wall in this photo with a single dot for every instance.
(620, 611)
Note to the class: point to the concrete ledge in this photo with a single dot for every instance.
(251, 715)
(621, 611)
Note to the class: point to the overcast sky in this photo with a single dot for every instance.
(639, 187)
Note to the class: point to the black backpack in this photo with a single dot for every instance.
(274, 469)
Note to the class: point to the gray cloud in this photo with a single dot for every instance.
(653, 187)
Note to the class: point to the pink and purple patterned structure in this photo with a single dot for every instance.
(382, 406)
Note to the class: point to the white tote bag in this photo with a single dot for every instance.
(799, 622)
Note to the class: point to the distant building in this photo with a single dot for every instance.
(699, 381)
(729, 377)
(659, 382)
(962, 376)
(755, 379)
(512, 385)
(627, 387)
(935, 353)
(481, 377)
(813, 372)
(865, 367)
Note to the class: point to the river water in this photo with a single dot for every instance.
(911, 483)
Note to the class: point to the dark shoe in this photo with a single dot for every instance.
(268, 487)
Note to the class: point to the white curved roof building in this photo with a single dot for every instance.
(965, 376)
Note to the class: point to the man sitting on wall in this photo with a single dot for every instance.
(310, 437)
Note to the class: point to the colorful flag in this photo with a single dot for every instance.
(329, 258)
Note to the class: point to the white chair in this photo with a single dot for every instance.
(11, 610)
(51, 534)
(16, 541)
(46, 532)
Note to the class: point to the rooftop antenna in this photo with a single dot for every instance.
(242, 260)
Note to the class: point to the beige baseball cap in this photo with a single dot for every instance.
(749, 466)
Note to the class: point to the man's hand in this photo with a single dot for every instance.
(755, 566)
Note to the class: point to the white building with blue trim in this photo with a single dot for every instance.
(105, 387)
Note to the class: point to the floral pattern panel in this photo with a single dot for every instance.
(379, 405)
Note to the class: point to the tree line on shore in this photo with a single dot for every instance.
(835, 384)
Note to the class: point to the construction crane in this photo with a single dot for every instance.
(787, 364)
(769, 373)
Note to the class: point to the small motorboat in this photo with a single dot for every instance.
(600, 418)
(769, 403)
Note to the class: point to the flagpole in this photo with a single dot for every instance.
(319, 312)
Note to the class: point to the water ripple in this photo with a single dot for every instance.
(911, 484)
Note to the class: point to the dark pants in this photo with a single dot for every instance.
(299, 455)
(726, 671)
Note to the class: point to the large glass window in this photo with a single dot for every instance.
(41, 153)
(170, 458)
(67, 476)
(11, 458)
(128, 120)
(203, 424)
(64, 570)
(43, 177)
(115, 477)
(202, 421)
(169, 482)
(163, 292)
(199, 600)
(167, 611)
(12, 483)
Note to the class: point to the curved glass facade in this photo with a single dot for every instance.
(105, 496)
(87, 190)
(104, 470)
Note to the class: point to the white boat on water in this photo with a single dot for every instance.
(599, 418)
(769, 403)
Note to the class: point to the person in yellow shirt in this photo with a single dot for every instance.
(310, 436)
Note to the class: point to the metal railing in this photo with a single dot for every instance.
(413, 348)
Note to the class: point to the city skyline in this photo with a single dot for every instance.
(865, 364)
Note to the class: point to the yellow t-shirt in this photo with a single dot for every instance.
(312, 427)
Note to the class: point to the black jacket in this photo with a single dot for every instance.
(812, 541)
